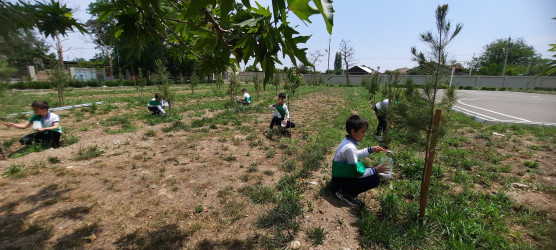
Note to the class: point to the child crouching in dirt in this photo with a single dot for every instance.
(349, 174)
(246, 100)
(46, 124)
(156, 105)
(281, 114)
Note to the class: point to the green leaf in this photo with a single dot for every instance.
(249, 22)
(118, 33)
(195, 6)
(225, 8)
(246, 3)
(261, 10)
(325, 7)
(302, 9)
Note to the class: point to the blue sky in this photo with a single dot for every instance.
(382, 32)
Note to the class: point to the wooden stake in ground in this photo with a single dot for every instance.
(428, 168)
(389, 120)
(2, 151)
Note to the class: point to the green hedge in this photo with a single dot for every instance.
(79, 84)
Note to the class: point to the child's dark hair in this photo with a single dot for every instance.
(157, 96)
(40, 105)
(355, 122)
(282, 95)
(244, 90)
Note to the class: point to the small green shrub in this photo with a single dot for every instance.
(530, 164)
(150, 133)
(54, 159)
(14, 171)
(317, 235)
(198, 209)
(90, 152)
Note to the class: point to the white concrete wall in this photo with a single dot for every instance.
(514, 82)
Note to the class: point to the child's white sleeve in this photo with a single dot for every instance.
(287, 111)
(362, 153)
(353, 155)
(161, 109)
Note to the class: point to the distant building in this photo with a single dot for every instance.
(402, 71)
(360, 70)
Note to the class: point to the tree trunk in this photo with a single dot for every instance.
(60, 51)
(170, 106)
(2, 151)
(111, 64)
(347, 73)
(61, 95)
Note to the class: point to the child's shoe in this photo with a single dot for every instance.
(352, 201)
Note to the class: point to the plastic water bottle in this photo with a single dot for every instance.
(389, 164)
(37, 125)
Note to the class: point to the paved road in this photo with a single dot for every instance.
(507, 107)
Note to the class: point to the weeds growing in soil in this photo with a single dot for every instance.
(91, 151)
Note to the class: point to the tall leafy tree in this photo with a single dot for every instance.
(103, 39)
(338, 62)
(522, 58)
(23, 48)
(550, 69)
(213, 32)
(414, 113)
(53, 20)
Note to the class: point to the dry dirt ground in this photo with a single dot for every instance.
(183, 189)
(179, 189)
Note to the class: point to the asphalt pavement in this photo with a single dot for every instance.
(507, 107)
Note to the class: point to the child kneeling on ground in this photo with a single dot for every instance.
(46, 124)
(349, 174)
(246, 98)
(281, 114)
(156, 105)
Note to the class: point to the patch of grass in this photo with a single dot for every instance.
(198, 209)
(531, 164)
(69, 139)
(15, 171)
(230, 158)
(271, 152)
(176, 126)
(91, 151)
(484, 135)
(317, 235)
(37, 147)
(54, 159)
(255, 143)
(225, 193)
(259, 193)
(150, 133)
(288, 166)
(9, 142)
(253, 167)
(234, 210)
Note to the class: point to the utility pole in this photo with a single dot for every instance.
(528, 67)
(472, 61)
(506, 60)
(328, 67)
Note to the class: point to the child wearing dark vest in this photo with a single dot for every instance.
(349, 174)
(280, 114)
(46, 124)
